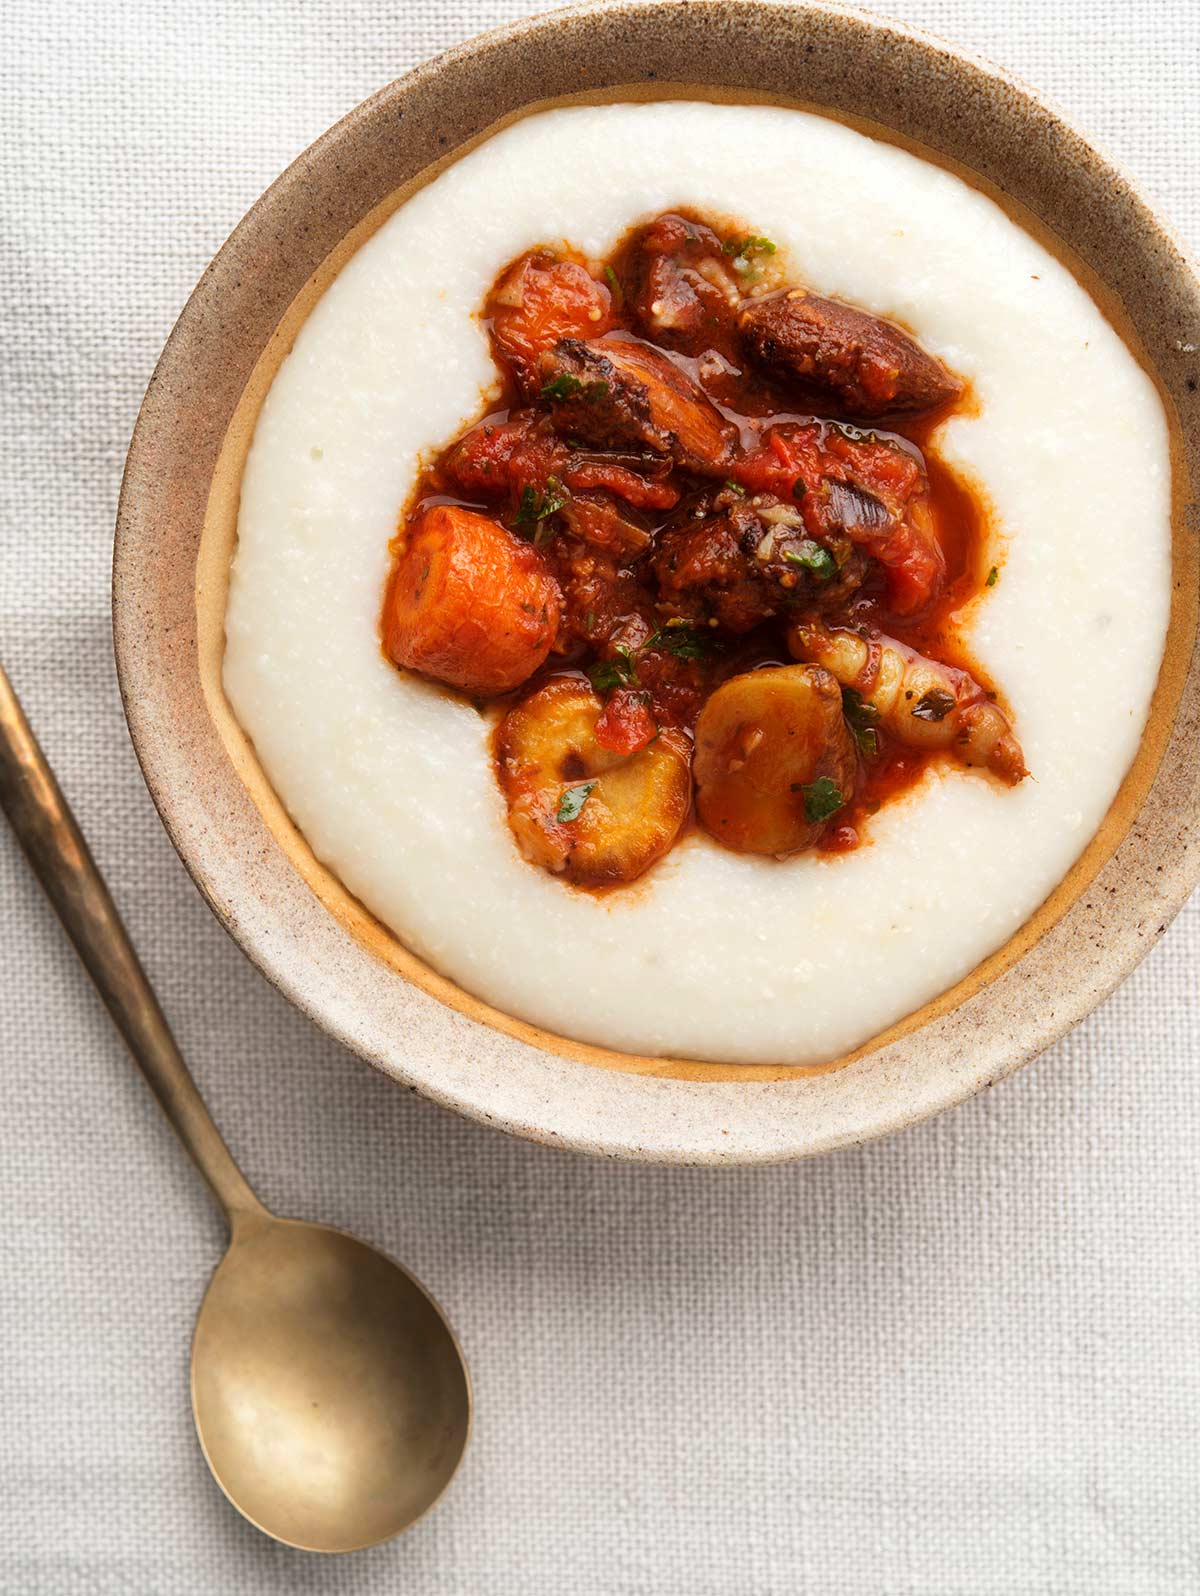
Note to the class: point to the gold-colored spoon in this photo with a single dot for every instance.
(330, 1396)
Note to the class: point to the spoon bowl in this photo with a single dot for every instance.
(330, 1396)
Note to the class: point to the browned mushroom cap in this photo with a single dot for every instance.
(834, 356)
(621, 392)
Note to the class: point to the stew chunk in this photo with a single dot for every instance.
(621, 392)
(840, 359)
(774, 759)
(683, 484)
(469, 603)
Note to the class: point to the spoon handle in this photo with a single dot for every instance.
(54, 846)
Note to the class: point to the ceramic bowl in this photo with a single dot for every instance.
(176, 529)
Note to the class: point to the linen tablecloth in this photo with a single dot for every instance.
(966, 1360)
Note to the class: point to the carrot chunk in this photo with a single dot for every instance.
(469, 603)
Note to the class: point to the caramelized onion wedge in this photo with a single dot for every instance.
(469, 603)
(577, 809)
(774, 760)
(833, 355)
(919, 701)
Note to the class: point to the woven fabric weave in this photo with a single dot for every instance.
(962, 1362)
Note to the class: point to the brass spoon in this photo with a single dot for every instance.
(330, 1396)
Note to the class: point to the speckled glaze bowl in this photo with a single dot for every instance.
(177, 525)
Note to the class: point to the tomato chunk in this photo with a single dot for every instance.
(865, 488)
(540, 301)
(626, 724)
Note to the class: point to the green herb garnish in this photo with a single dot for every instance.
(744, 248)
(614, 283)
(567, 386)
(564, 386)
(535, 508)
(813, 557)
(991, 577)
(862, 719)
(822, 798)
(680, 638)
(573, 800)
(933, 705)
(607, 674)
(735, 487)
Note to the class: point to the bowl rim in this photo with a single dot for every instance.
(675, 1131)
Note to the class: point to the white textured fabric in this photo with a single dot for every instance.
(962, 1362)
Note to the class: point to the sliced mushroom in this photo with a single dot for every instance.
(774, 761)
(581, 810)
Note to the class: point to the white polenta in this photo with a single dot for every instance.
(713, 955)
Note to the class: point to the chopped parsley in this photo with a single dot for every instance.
(822, 798)
(991, 577)
(813, 557)
(572, 801)
(862, 719)
(735, 487)
(680, 638)
(564, 386)
(567, 386)
(742, 249)
(933, 705)
(535, 508)
(607, 674)
(676, 636)
(614, 283)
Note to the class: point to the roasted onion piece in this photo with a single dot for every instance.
(622, 392)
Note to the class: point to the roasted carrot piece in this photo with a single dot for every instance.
(468, 602)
